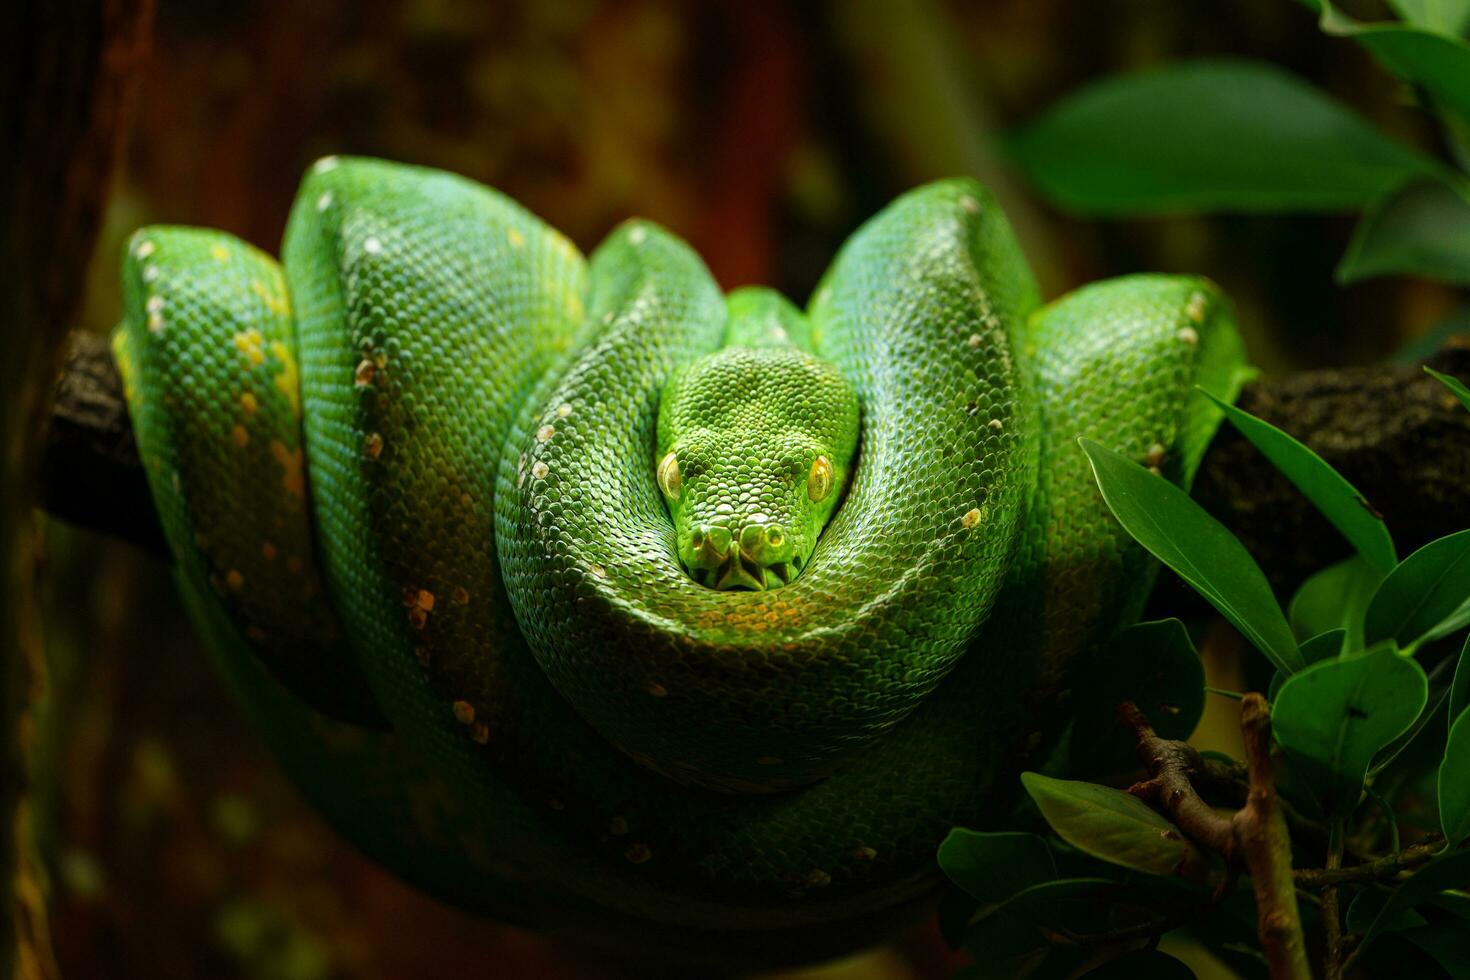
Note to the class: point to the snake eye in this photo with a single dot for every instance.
(819, 480)
(669, 479)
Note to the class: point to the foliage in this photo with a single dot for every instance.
(1234, 135)
(1368, 650)
(1350, 700)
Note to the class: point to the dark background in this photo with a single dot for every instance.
(170, 845)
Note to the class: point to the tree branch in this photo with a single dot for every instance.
(1386, 868)
(1255, 835)
(1393, 430)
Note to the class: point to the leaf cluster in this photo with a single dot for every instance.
(1370, 711)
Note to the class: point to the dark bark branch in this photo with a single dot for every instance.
(1261, 836)
(1386, 868)
(90, 473)
(1254, 836)
(66, 70)
(1392, 430)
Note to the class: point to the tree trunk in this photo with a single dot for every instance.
(68, 66)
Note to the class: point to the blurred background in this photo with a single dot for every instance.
(168, 843)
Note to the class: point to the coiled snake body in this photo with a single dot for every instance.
(576, 591)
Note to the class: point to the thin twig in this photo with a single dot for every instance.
(1331, 914)
(1386, 868)
(1256, 835)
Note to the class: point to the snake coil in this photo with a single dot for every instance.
(447, 500)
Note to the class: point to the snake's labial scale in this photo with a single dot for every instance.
(482, 480)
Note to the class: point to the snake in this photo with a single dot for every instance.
(586, 595)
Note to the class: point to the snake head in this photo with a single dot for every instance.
(754, 447)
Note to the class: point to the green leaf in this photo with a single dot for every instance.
(1429, 60)
(1446, 16)
(1197, 137)
(1438, 694)
(1329, 492)
(1454, 782)
(1332, 717)
(1142, 964)
(1015, 939)
(1421, 229)
(1448, 944)
(1443, 873)
(1424, 346)
(1426, 589)
(1335, 598)
(1155, 666)
(1178, 532)
(1369, 905)
(1324, 646)
(1459, 698)
(993, 867)
(1455, 385)
(1115, 826)
(1453, 623)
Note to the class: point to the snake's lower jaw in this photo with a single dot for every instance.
(739, 573)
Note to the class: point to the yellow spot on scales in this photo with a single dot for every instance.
(249, 403)
(293, 476)
(273, 296)
(234, 579)
(240, 436)
(252, 345)
(515, 238)
(289, 379)
(220, 253)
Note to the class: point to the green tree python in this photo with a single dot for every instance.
(580, 593)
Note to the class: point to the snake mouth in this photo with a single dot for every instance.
(738, 573)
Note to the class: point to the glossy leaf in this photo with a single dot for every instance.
(1178, 532)
(1142, 964)
(1016, 938)
(1454, 782)
(1427, 344)
(1115, 826)
(1421, 229)
(992, 867)
(1334, 716)
(1335, 598)
(1439, 693)
(1369, 905)
(1194, 137)
(1332, 495)
(1429, 60)
(1446, 16)
(1426, 588)
(1155, 666)
(1453, 623)
(1459, 698)
(1324, 646)
(1450, 871)
(1448, 944)
(1455, 385)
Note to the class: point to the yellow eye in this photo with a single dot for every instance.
(669, 479)
(819, 480)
